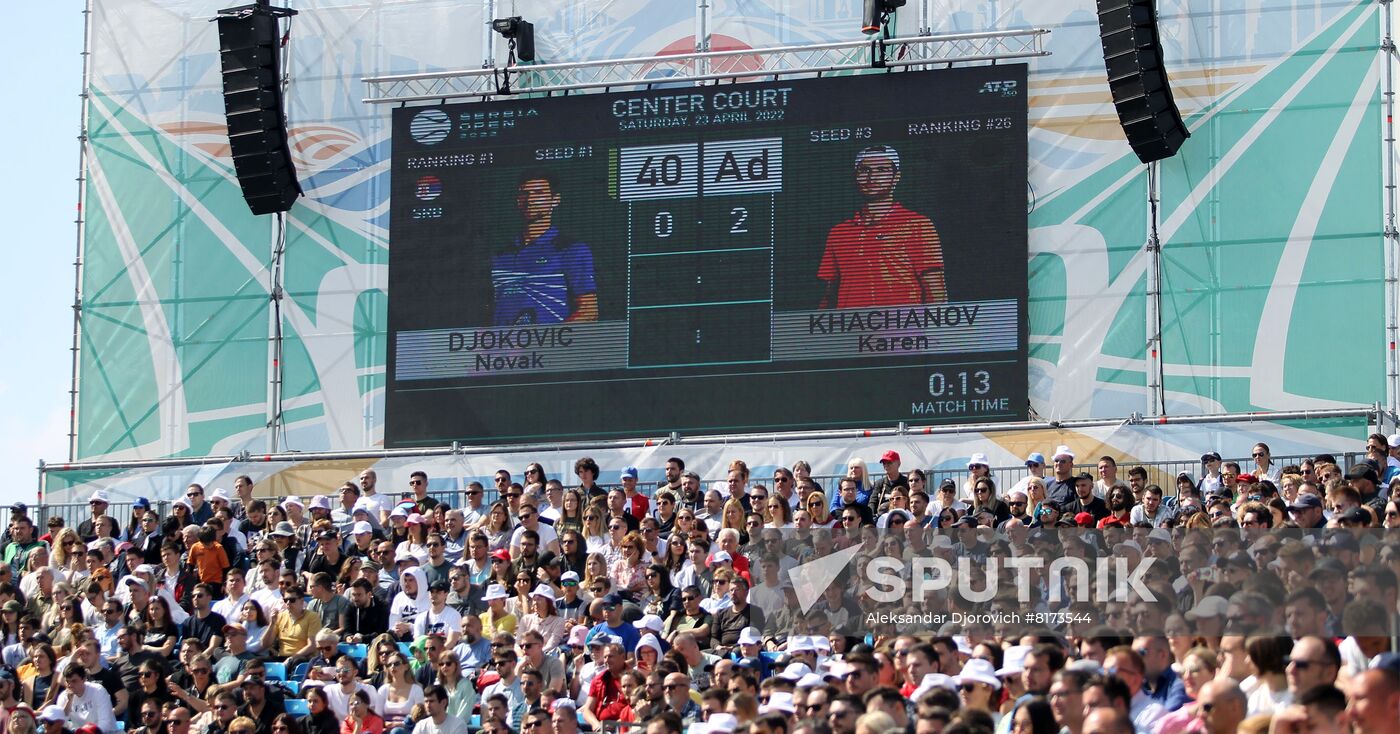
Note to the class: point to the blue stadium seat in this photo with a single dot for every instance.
(770, 656)
(475, 721)
(403, 648)
(356, 652)
(121, 725)
(292, 687)
(300, 673)
(276, 671)
(297, 706)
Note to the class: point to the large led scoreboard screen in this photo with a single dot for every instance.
(841, 252)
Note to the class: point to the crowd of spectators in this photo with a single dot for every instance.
(558, 608)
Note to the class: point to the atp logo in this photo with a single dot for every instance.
(1005, 89)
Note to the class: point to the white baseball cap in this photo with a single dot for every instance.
(1063, 451)
(362, 527)
(749, 636)
(795, 671)
(978, 670)
(779, 701)
(1208, 608)
(649, 622)
(978, 459)
(495, 591)
(1014, 660)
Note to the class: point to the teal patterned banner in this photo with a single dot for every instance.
(1271, 216)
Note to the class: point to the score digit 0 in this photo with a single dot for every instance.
(664, 224)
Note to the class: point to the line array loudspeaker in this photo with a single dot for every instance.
(249, 56)
(1137, 78)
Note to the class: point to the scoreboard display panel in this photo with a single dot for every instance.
(758, 256)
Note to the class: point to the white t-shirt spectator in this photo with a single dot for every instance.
(93, 707)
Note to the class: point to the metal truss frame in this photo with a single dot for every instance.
(710, 67)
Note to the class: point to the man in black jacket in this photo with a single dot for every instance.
(1084, 499)
(366, 616)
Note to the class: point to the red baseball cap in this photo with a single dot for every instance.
(502, 554)
(889, 456)
(1246, 478)
(1084, 520)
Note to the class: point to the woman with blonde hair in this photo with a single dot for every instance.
(379, 651)
(595, 531)
(858, 473)
(733, 517)
(596, 567)
(818, 509)
(400, 692)
(69, 555)
(461, 694)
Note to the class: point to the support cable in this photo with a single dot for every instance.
(79, 221)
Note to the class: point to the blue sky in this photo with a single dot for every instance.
(40, 199)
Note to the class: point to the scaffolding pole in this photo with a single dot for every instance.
(488, 38)
(1155, 363)
(79, 222)
(1391, 237)
(275, 289)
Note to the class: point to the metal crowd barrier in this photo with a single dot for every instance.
(1162, 473)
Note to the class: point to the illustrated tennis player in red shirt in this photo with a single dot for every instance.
(885, 254)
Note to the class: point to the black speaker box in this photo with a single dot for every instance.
(1137, 79)
(249, 57)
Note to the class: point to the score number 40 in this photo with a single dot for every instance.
(665, 223)
(959, 383)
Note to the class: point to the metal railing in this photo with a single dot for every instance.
(1162, 473)
(710, 66)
